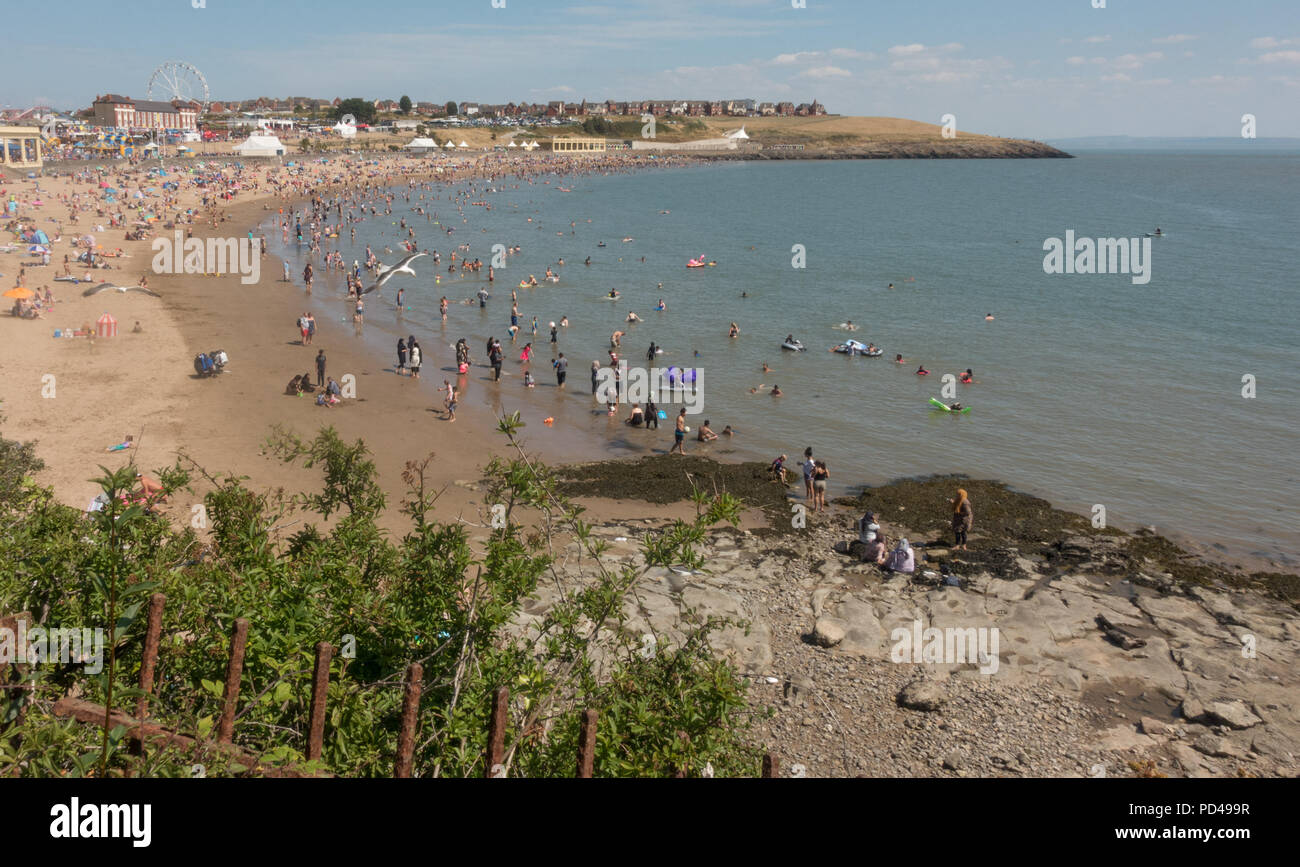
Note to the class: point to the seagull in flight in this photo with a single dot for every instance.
(109, 287)
(385, 273)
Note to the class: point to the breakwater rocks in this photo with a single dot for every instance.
(1050, 649)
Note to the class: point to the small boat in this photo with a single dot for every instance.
(857, 347)
(792, 345)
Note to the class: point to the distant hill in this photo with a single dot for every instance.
(878, 138)
(1173, 143)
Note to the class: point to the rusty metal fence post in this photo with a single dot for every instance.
(234, 671)
(320, 682)
(497, 734)
(150, 662)
(410, 714)
(587, 744)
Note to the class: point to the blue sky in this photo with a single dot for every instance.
(1033, 68)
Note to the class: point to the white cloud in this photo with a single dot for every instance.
(1117, 77)
(794, 57)
(914, 48)
(852, 54)
(1265, 43)
(1280, 57)
(1076, 61)
(1097, 39)
(1135, 61)
(1173, 39)
(824, 72)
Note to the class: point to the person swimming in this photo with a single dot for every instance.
(988, 317)
(898, 359)
(921, 371)
(613, 293)
(968, 377)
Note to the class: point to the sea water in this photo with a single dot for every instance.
(1089, 389)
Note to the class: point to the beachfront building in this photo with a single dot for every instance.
(123, 112)
(20, 147)
(578, 145)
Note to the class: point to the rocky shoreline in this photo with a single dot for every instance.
(1118, 654)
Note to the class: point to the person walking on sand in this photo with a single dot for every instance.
(303, 329)
(401, 355)
(320, 368)
(962, 519)
(311, 328)
(414, 352)
(307, 276)
(820, 475)
(679, 434)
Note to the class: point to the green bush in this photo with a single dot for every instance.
(429, 596)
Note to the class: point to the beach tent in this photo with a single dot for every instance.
(512, 144)
(462, 143)
(449, 145)
(422, 145)
(106, 326)
(40, 237)
(739, 135)
(260, 146)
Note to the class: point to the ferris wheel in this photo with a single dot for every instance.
(177, 80)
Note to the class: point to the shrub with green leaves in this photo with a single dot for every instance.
(318, 567)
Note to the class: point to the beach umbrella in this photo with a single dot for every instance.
(37, 248)
(19, 292)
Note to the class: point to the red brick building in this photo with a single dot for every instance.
(127, 113)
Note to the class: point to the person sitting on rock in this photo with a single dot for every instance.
(875, 551)
(902, 559)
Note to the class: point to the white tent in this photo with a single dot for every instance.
(422, 145)
(449, 145)
(739, 135)
(346, 130)
(260, 146)
(512, 144)
(462, 143)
